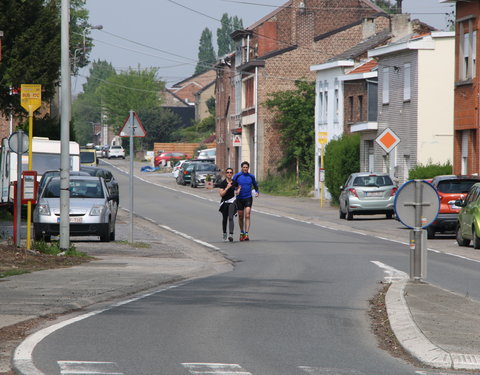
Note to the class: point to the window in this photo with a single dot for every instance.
(406, 82)
(350, 101)
(248, 93)
(360, 107)
(468, 50)
(464, 152)
(386, 84)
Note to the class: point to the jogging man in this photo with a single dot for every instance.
(247, 183)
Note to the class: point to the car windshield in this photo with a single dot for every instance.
(205, 167)
(87, 157)
(372, 181)
(78, 189)
(455, 186)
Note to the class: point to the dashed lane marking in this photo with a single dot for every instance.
(87, 367)
(215, 368)
(329, 371)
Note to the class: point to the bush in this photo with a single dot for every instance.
(340, 160)
(285, 185)
(428, 171)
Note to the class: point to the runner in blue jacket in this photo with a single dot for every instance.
(247, 184)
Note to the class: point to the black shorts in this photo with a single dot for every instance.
(242, 203)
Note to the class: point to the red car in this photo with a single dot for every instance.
(449, 189)
(171, 156)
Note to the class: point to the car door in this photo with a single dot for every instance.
(343, 194)
(467, 212)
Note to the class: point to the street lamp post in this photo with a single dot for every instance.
(96, 27)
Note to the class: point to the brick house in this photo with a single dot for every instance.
(270, 55)
(466, 145)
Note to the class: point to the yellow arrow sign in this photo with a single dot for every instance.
(31, 98)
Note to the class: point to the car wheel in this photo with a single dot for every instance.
(36, 236)
(389, 215)
(460, 240)
(105, 235)
(476, 239)
(349, 214)
(193, 184)
(341, 214)
(112, 235)
(430, 233)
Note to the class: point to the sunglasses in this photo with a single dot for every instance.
(229, 172)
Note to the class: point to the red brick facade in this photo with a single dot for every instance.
(282, 47)
(467, 91)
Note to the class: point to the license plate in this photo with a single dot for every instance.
(75, 219)
(374, 193)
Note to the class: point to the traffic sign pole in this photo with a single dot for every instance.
(132, 121)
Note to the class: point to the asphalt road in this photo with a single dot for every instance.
(295, 303)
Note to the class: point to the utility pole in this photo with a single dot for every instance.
(65, 128)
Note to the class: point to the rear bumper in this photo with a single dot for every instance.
(75, 229)
(445, 222)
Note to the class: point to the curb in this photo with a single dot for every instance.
(414, 341)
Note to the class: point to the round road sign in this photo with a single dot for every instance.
(408, 199)
(18, 142)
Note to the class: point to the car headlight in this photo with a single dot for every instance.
(96, 210)
(44, 210)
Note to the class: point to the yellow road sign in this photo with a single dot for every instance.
(31, 98)
(323, 138)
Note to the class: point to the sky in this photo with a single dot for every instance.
(165, 33)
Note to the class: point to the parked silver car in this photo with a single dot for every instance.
(367, 194)
(92, 210)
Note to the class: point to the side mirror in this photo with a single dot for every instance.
(460, 203)
(341, 187)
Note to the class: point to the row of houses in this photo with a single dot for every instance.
(372, 70)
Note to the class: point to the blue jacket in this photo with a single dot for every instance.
(246, 181)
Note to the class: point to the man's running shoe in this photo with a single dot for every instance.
(245, 238)
(230, 238)
(242, 236)
(224, 237)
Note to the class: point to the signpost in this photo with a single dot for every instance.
(322, 140)
(31, 100)
(416, 206)
(132, 127)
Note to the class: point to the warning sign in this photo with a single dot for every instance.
(388, 140)
(237, 140)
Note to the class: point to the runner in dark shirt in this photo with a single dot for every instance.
(228, 191)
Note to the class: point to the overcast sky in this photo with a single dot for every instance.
(166, 33)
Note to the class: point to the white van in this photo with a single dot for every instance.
(208, 153)
(45, 156)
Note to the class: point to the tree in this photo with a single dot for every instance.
(206, 53)
(224, 41)
(388, 7)
(159, 124)
(295, 114)
(87, 108)
(132, 90)
(31, 47)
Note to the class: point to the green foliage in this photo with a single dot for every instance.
(31, 46)
(224, 41)
(136, 90)
(286, 185)
(387, 6)
(428, 171)
(340, 160)
(53, 248)
(206, 53)
(100, 71)
(295, 114)
(159, 123)
(197, 132)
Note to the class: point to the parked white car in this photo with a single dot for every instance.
(208, 153)
(116, 151)
(177, 167)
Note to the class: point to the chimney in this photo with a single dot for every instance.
(401, 26)
(399, 6)
(368, 28)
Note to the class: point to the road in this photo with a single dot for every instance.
(296, 302)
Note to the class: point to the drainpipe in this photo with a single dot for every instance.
(248, 49)
(255, 142)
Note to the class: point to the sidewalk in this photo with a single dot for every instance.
(439, 328)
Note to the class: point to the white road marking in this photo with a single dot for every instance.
(329, 371)
(393, 273)
(215, 369)
(87, 367)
